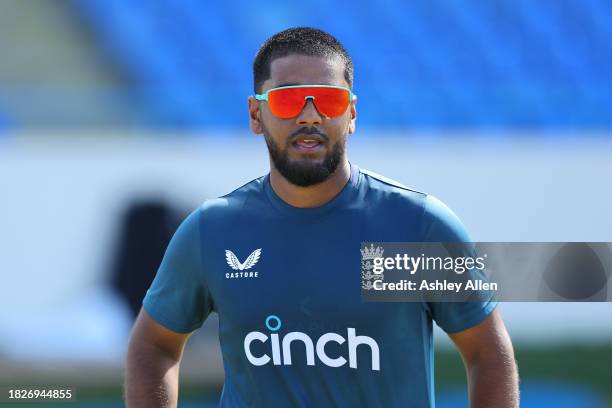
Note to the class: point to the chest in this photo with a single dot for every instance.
(306, 274)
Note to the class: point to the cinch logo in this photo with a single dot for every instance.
(273, 323)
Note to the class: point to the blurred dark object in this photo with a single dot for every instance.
(578, 272)
(145, 232)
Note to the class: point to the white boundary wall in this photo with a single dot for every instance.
(61, 195)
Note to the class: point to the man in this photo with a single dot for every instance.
(278, 260)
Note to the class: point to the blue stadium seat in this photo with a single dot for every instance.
(508, 63)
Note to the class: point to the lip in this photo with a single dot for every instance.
(307, 136)
(308, 143)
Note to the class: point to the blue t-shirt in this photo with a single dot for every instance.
(285, 282)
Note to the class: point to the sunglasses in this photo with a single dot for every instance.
(288, 101)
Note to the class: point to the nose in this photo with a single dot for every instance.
(309, 114)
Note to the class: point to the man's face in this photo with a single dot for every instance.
(308, 148)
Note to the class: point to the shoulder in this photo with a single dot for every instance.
(380, 182)
(441, 224)
(232, 203)
(438, 221)
(390, 194)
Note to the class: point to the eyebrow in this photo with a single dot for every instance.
(287, 84)
(296, 83)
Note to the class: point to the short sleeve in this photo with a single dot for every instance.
(178, 297)
(440, 224)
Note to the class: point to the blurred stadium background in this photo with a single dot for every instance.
(118, 117)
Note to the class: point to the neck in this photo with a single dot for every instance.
(311, 196)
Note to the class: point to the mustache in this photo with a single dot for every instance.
(307, 131)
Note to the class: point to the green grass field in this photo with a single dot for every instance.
(589, 367)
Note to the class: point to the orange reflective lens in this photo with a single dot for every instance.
(288, 101)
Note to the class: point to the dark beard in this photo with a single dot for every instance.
(304, 172)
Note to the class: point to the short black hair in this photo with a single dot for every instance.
(302, 41)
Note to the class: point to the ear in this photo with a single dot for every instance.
(353, 110)
(255, 116)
